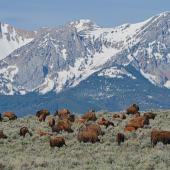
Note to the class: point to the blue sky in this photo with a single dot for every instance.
(32, 14)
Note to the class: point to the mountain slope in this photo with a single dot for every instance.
(12, 39)
(83, 61)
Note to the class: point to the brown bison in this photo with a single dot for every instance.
(89, 116)
(129, 129)
(42, 133)
(88, 136)
(42, 117)
(57, 141)
(42, 112)
(80, 120)
(62, 125)
(51, 122)
(62, 113)
(150, 115)
(24, 131)
(160, 136)
(2, 135)
(120, 137)
(137, 122)
(133, 109)
(10, 115)
(95, 128)
(105, 122)
(119, 116)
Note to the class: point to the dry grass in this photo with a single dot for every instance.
(29, 153)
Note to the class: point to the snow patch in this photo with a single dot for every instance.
(114, 72)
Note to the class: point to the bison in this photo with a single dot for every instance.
(2, 135)
(62, 113)
(42, 133)
(88, 136)
(42, 117)
(94, 127)
(120, 137)
(62, 125)
(0, 117)
(24, 131)
(133, 109)
(150, 115)
(51, 122)
(119, 116)
(89, 116)
(160, 136)
(42, 112)
(129, 128)
(105, 122)
(10, 115)
(57, 141)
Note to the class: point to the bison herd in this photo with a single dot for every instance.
(90, 125)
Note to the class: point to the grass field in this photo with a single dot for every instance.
(34, 153)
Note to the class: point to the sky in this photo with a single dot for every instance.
(33, 14)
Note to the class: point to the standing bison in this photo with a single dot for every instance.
(120, 137)
(160, 136)
(89, 116)
(133, 109)
(57, 141)
(24, 131)
(10, 115)
(88, 136)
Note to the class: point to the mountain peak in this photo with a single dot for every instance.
(83, 24)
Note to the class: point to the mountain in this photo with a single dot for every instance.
(12, 38)
(83, 61)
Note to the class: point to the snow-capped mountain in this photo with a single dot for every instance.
(12, 38)
(60, 58)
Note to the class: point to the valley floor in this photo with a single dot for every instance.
(34, 153)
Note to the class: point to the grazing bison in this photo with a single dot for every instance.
(51, 122)
(160, 136)
(120, 137)
(2, 135)
(133, 109)
(24, 131)
(57, 141)
(42, 112)
(89, 116)
(62, 125)
(105, 122)
(10, 115)
(150, 115)
(94, 127)
(88, 136)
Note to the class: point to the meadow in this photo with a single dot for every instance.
(35, 153)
